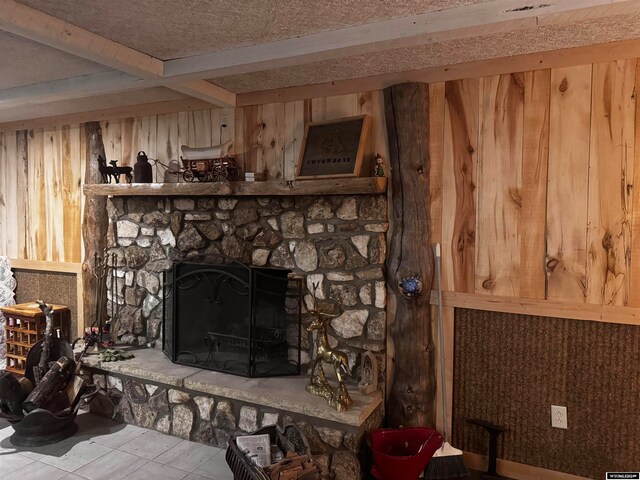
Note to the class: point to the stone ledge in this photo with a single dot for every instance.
(283, 393)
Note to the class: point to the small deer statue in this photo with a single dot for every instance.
(338, 398)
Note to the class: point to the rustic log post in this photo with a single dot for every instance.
(95, 221)
(412, 396)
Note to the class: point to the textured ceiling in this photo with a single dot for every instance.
(139, 97)
(169, 29)
(445, 53)
(24, 62)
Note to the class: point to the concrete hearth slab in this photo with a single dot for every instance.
(282, 393)
(148, 364)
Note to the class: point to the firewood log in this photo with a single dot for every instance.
(52, 383)
(11, 394)
(26, 385)
(40, 370)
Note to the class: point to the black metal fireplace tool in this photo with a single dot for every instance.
(104, 268)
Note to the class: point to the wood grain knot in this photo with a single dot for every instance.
(465, 239)
(518, 81)
(552, 264)
(420, 169)
(607, 244)
(470, 149)
(516, 197)
(564, 85)
(488, 284)
(273, 142)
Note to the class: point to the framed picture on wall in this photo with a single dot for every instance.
(333, 148)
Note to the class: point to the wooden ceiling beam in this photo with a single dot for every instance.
(143, 70)
(108, 82)
(520, 63)
(485, 18)
(114, 113)
(73, 88)
(206, 91)
(30, 23)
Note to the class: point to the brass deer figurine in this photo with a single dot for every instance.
(338, 398)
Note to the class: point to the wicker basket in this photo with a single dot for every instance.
(291, 439)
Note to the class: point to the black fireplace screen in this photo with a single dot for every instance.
(233, 318)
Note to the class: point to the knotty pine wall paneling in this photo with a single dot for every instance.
(611, 165)
(10, 179)
(41, 198)
(634, 254)
(567, 193)
(534, 185)
(460, 177)
(535, 160)
(41, 192)
(499, 185)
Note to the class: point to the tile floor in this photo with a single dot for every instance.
(104, 450)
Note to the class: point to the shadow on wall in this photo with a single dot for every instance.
(510, 369)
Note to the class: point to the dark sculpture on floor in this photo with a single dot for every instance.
(113, 171)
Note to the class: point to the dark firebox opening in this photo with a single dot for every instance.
(229, 317)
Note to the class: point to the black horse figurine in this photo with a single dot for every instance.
(114, 171)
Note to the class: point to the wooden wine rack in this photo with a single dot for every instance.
(25, 326)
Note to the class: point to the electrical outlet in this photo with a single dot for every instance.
(558, 416)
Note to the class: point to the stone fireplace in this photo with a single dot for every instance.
(336, 242)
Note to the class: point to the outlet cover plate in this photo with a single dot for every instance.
(558, 416)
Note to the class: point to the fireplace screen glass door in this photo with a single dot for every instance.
(232, 318)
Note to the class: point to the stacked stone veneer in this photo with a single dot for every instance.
(337, 242)
(339, 449)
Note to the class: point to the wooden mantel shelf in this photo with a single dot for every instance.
(334, 186)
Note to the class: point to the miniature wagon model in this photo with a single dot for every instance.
(209, 164)
(210, 170)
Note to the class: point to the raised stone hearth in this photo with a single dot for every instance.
(334, 241)
(211, 407)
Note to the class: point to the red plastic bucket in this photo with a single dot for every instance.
(402, 453)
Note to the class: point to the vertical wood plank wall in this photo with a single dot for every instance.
(41, 170)
(532, 176)
(537, 174)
